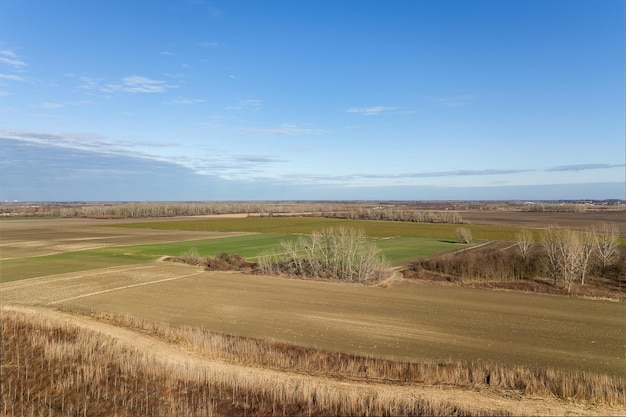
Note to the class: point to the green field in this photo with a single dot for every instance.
(397, 250)
(306, 225)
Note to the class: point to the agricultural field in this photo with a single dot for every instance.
(50, 266)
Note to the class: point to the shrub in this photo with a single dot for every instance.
(463, 235)
(339, 254)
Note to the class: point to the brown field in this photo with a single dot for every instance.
(545, 219)
(401, 321)
(406, 321)
(23, 238)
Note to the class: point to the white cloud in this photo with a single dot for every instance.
(283, 130)
(188, 101)
(246, 104)
(370, 111)
(11, 77)
(11, 59)
(138, 84)
(130, 84)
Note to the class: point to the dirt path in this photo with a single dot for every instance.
(179, 358)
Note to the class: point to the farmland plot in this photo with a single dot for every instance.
(403, 321)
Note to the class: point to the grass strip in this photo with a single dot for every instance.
(306, 225)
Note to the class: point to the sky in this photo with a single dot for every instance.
(191, 100)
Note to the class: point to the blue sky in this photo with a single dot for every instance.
(281, 100)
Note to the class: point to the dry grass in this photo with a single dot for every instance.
(54, 368)
(310, 361)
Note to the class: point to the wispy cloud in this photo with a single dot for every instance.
(359, 177)
(212, 163)
(138, 84)
(246, 104)
(285, 129)
(11, 59)
(188, 101)
(51, 105)
(455, 101)
(82, 142)
(130, 84)
(371, 111)
(584, 167)
(465, 172)
(257, 159)
(11, 77)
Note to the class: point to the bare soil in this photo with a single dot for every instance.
(545, 219)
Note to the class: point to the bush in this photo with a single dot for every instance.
(338, 254)
(191, 257)
(463, 235)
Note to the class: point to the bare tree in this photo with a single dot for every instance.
(463, 235)
(342, 254)
(606, 237)
(567, 253)
(524, 241)
(551, 237)
(587, 248)
(570, 252)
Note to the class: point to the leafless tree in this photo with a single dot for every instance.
(551, 238)
(342, 254)
(587, 248)
(568, 254)
(571, 253)
(606, 237)
(463, 235)
(524, 241)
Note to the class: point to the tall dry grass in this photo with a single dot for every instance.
(311, 361)
(52, 368)
(55, 369)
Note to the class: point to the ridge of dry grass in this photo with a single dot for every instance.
(54, 367)
(550, 382)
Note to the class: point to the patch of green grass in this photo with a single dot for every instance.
(306, 225)
(399, 250)
(61, 263)
(396, 249)
(36, 266)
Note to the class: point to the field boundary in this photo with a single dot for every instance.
(123, 288)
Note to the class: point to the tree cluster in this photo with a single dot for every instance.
(341, 254)
(571, 252)
(565, 255)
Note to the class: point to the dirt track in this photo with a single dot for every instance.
(177, 357)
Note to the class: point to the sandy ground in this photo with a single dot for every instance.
(485, 402)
